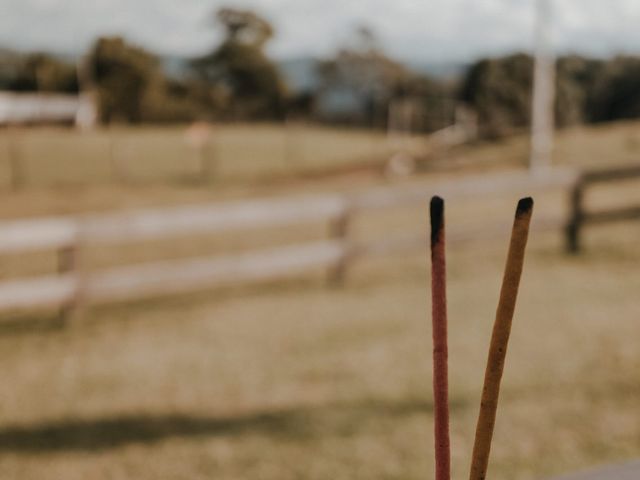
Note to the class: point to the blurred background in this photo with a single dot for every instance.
(213, 234)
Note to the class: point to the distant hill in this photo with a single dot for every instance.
(301, 74)
(440, 70)
(175, 67)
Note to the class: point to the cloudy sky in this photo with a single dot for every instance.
(417, 30)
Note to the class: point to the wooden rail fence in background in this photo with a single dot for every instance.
(580, 217)
(625, 471)
(73, 286)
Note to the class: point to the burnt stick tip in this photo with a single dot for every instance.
(524, 206)
(437, 217)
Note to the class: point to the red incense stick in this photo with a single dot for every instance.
(440, 351)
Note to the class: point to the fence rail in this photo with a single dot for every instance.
(73, 286)
(580, 217)
(626, 471)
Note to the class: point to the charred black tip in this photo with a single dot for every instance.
(524, 206)
(437, 217)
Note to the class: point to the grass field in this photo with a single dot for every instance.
(293, 380)
(233, 154)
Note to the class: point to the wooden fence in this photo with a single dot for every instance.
(73, 286)
(580, 217)
(626, 471)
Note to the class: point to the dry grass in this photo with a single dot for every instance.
(237, 153)
(294, 381)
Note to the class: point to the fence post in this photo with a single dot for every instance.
(576, 217)
(67, 262)
(17, 174)
(118, 169)
(340, 231)
(70, 262)
(208, 164)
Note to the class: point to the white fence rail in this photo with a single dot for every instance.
(68, 235)
(28, 108)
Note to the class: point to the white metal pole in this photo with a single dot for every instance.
(542, 121)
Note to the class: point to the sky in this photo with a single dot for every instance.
(412, 30)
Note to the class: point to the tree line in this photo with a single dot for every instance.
(236, 80)
(587, 91)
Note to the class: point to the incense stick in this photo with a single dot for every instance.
(500, 339)
(440, 352)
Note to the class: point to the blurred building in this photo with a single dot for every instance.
(47, 108)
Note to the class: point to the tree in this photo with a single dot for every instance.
(500, 89)
(239, 66)
(37, 72)
(245, 27)
(358, 83)
(615, 93)
(121, 73)
(500, 92)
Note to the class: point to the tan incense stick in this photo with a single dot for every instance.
(500, 339)
(440, 353)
